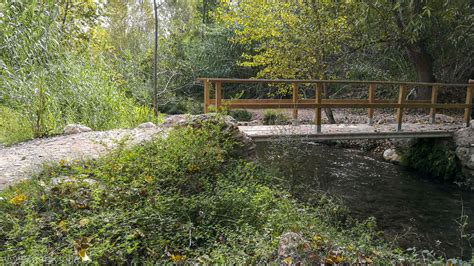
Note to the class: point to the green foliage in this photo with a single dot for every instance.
(181, 106)
(375, 38)
(13, 126)
(433, 157)
(241, 114)
(49, 78)
(418, 26)
(186, 198)
(282, 35)
(271, 117)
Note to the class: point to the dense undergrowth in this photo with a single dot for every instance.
(187, 198)
(435, 158)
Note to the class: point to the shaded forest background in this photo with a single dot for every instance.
(91, 62)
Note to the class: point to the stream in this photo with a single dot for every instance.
(416, 210)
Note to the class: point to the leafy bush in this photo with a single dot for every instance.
(173, 108)
(241, 114)
(270, 117)
(181, 106)
(186, 198)
(433, 157)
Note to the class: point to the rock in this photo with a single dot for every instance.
(75, 128)
(173, 120)
(464, 137)
(289, 247)
(391, 155)
(463, 153)
(254, 123)
(246, 148)
(403, 144)
(146, 125)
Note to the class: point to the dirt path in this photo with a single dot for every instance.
(19, 161)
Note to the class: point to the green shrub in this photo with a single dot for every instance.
(186, 198)
(173, 108)
(181, 106)
(433, 157)
(271, 117)
(241, 115)
(13, 126)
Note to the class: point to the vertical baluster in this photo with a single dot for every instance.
(317, 111)
(434, 99)
(467, 111)
(371, 100)
(401, 99)
(206, 96)
(218, 95)
(295, 100)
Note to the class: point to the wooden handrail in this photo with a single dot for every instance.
(309, 81)
(318, 103)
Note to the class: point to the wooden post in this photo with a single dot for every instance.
(317, 111)
(206, 96)
(218, 95)
(371, 100)
(467, 111)
(295, 101)
(434, 99)
(401, 99)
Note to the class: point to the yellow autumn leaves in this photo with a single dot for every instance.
(177, 257)
(18, 199)
(80, 246)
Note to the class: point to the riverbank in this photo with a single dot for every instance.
(190, 197)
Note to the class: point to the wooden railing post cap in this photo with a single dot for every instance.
(470, 81)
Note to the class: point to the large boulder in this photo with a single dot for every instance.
(391, 155)
(402, 144)
(146, 125)
(464, 139)
(246, 148)
(76, 128)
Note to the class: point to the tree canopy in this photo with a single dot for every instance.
(54, 54)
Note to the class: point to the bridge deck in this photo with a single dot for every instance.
(350, 131)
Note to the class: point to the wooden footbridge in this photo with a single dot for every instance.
(317, 131)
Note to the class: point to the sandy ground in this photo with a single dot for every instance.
(347, 116)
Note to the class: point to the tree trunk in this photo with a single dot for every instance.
(155, 62)
(328, 111)
(423, 63)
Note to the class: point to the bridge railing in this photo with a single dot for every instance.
(318, 102)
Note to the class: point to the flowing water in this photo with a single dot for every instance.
(414, 209)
